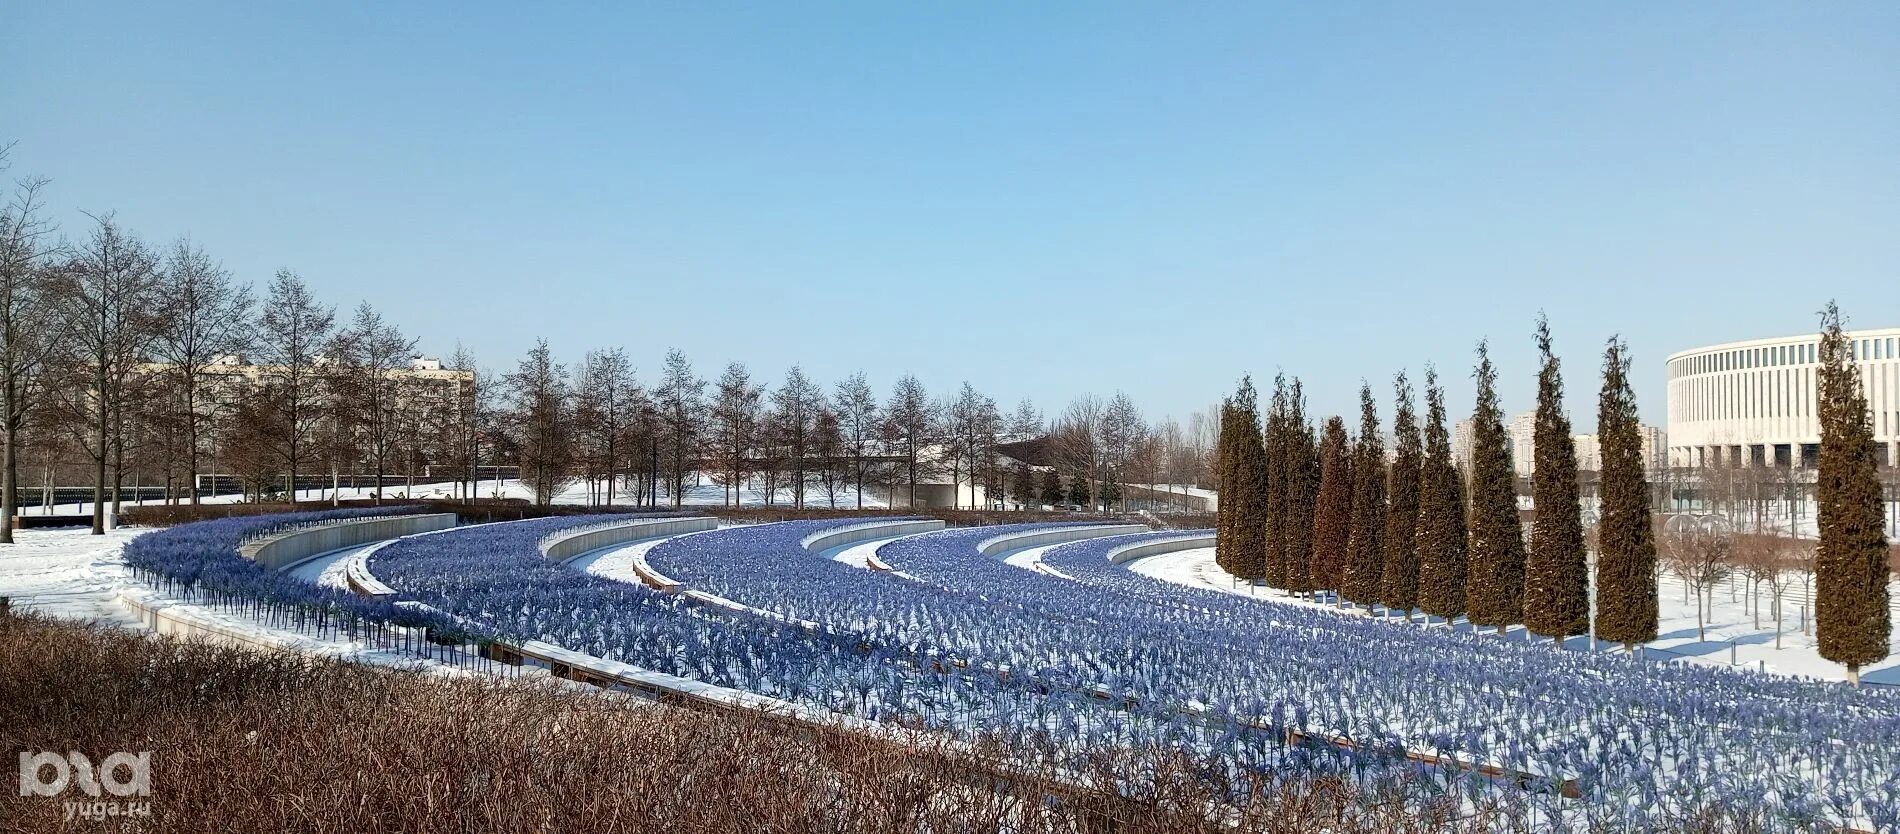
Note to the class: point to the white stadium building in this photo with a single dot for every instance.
(1752, 403)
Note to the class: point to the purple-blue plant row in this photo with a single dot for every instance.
(200, 560)
(1639, 737)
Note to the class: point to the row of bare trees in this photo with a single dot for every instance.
(122, 361)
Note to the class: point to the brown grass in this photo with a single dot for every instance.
(248, 741)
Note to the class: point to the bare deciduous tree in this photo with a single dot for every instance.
(679, 401)
(733, 435)
(858, 422)
(292, 332)
(203, 317)
(1699, 554)
(32, 329)
(110, 284)
(908, 417)
(797, 403)
(371, 356)
(539, 402)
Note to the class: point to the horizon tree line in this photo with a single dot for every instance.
(140, 369)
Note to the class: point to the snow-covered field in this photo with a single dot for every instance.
(67, 573)
(1731, 633)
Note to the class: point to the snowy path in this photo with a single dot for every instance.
(1731, 629)
(1030, 558)
(326, 569)
(858, 554)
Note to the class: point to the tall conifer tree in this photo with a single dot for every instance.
(1556, 572)
(1276, 451)
(1494, 584)
(1626, 541)
(1332, 515)
(1399, 575)
(1302, 492)
(1250, 488)
(1224, 486)
(1850, 589)
(1441, 515)
(1365, 555)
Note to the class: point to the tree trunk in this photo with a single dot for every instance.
(9, 484)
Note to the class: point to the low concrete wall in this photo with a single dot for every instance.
(292, 547)
(1038, 538)
(836, 537)
(1131, 552)
(174, 620)
(566, 547)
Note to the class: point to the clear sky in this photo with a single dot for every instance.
(1041, 198)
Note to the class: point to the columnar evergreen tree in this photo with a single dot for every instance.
(1441, 515)
(1250, 505)
(1556, 573)
(1399, 576)
(1332, 515)
(1365, 553)
(1301, 466)
(1850, 588)
(1275, 448)
(1626, 539)
(1494, 589)
(1224, 546)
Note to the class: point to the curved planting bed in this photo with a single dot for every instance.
(1642, 740)
(495, 575)
(200, 562)
(1034, 659)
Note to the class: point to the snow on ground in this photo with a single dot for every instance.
(858, 554)
(327, 569)
(1731, 629)
(67, 573)
(71, 574)
(701, 493)
(1030, 558)
(616, 562)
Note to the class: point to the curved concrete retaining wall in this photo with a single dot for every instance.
(174, 620)
(287, 549)
(1038, 538)
(836, 537)
(1131, 552)
(568, 546)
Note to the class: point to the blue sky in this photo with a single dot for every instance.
(1044, 199)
